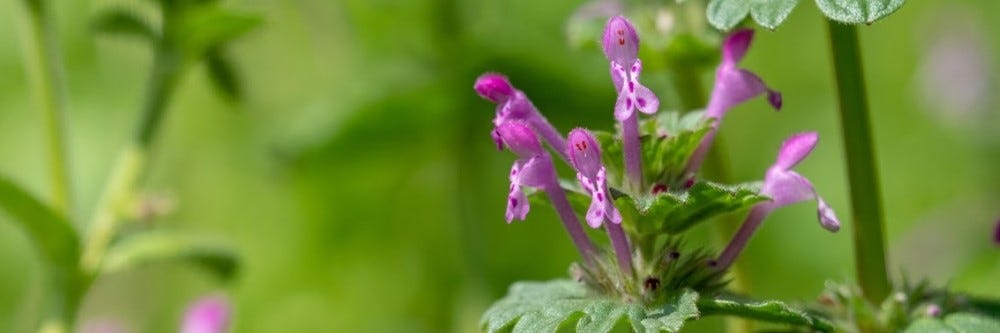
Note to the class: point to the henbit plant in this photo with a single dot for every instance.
(640, 185)
(876, 305)
(190, 32)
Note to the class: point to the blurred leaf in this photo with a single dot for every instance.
(770, 311)
(726, 14)
(956, 322)
(168, 247)
(858, 11)
(223, 75)
(674, 212)
(206, 28)
(120, 21)
(50, 232)
(563, 304)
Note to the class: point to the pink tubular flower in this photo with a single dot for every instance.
(514, 105)
(784, 187)
(733, 85)
(621, 46)
(585, 156)
(534, 168)
(209, 314)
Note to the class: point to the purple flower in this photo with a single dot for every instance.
(621, 46)
(513, 104)
(534, 168)
(585, 155)
(784, 187)
(733, 85)
(210, 314)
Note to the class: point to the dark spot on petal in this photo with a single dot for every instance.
(689, 183)
(513, 202)
(600, 197)
(641, 102)
(651, 283)
(621, 41)
(628, 103)
(631, 86)
(659, 188)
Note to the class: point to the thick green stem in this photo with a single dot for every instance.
(869, 250)
(44, 69)
(132, 162)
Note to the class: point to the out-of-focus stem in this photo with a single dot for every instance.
(44, 69)
(862, 174)
(550, 134)
(132, 161)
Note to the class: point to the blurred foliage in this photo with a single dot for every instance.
(360, 173)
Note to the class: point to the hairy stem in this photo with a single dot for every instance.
(570, 221)
(44, 70)
(619, 241)
(632, 149)
(866, 201)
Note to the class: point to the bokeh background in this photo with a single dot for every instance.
(359, 183)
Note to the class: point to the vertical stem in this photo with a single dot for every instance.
(45, 73)
(550, 134)
(739, 241)
(619, 241)
(632, 148)
(570, 221)
(869, 251)
(132, 161)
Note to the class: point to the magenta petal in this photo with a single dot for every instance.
(595, 214)
(537, 172)
(645, 100)
(519, 138)
(736, 45)
(827, 218)
(517, 205)
(620, 41)
(774, 98)
(733, 86)
(207, 315)
(618, 75)
(796, 148)
(787, 187)
(584, 152)
(623, 107)
(494, 87)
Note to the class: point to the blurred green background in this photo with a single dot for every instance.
(361, 187)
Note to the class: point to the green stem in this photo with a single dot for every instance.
(869, 250)
(45, 73)
(132, 161)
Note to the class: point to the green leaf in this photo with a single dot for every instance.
(770, 311)
(726, 14)
(562, 304)
(121, 21)
(675, 212)
(207, 28)
(168, 247)
(49, 231)
(858, 11)
(956, 322)
(223, 75)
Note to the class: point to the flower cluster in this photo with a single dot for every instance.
(519, 124)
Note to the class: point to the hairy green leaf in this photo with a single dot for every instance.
(168, 247)
(566, 305)
(49, 231)
(955, 322)
(726, 14)
(674, 212)
(770, 311)
(120, 21)
(858, 11)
